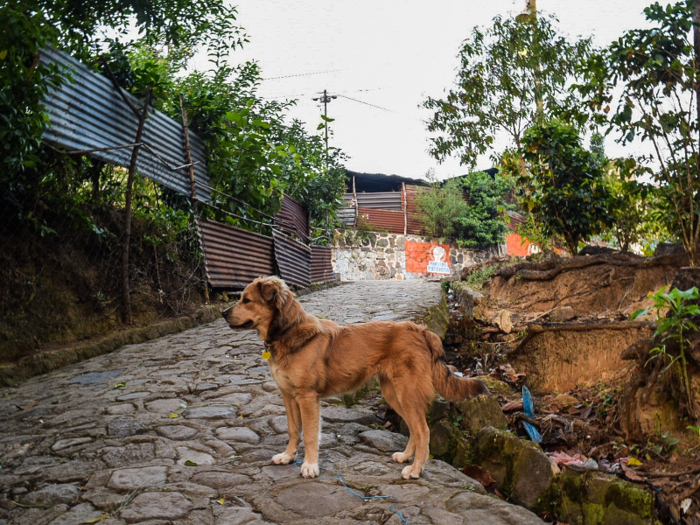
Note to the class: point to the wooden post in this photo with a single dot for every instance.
(185, 125)
(126, 239)
(354, 196)
(193, 185)
(405, 208)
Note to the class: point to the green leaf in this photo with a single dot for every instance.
(190, 463)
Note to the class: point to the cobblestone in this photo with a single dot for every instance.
(181, 430)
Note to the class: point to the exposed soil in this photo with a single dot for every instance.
(561, 327)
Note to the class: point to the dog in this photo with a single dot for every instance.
(312, 358)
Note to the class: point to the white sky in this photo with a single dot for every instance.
(391, 54)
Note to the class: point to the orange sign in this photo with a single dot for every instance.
(423, 257)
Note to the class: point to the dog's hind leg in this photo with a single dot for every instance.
(390, 395)
(310, 412)
(413, 404)
(294, 427)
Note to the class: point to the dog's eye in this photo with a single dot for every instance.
(245, 300)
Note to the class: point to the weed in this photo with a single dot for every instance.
(477, 278)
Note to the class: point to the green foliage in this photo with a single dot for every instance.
(563, 188)
(439, 206)
(507, 70)
(658, 73)
(482, 223)
(477, 278)
(467, 209)
(680, 307)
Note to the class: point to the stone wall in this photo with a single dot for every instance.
(374, 256)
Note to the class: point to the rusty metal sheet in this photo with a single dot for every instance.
(234, 257)
(415, 227)
(89, 113)
(385, 200)
(516, 219)
(321, 264)
(391, 221)
(293, 260)
(293, 218)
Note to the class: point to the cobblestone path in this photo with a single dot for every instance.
(181, 430)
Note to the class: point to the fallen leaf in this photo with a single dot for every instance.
(174, 415)
(190, 463)
(120, 385)
(28, 405)
(631, 474)
(99, 518)
(512, 405)
(634, 462)
(221, 501)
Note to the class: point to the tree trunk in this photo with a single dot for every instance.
(693, 251)
(126, 239)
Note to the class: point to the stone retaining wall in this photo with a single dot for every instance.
(375, 256)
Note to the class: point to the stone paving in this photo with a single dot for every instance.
(181, 430)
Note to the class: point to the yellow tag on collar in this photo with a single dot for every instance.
(266, 355)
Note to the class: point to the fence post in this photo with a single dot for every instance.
(126, 290)
(405, 208)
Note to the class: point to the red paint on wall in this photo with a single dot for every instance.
(423, 257)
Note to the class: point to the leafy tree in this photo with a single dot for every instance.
(482, 223)
(563, 187)
(467, 209)
(659, 73)
(505, 70)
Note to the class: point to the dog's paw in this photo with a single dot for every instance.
(408, 473)
(309, 470)
(282, 459)
(400, 457)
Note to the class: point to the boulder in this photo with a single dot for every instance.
(521, 470)
(479, 412)
(562, 314)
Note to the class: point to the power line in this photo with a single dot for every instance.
(368, 104)
(306, 74)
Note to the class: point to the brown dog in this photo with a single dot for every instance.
(312, 358)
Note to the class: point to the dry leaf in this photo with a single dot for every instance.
(28, 405)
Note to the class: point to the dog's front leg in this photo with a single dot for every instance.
(309, 405)
(294, 429)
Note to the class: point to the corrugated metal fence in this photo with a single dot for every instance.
(90, 114)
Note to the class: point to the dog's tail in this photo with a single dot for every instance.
(449, 385)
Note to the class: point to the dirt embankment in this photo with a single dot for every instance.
(562, 327)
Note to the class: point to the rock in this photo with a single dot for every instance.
(71, 442)
(177, 432)
(594, 497)
(165, 405)
(316, 500)
(194, 456)
(124, 427)
(489, 510)
(504, 321)
(117, 410)
(442, 440)
(338, 414)
(562, 314)
(496, 387)
(132, 478)
(128, 454)
(479, 412)
(211, 412)
(52, 495)
(384, 440)
(157, 505)
(240, 434)
(565, 401)
(92, 378)
(83, 513)
(521, 470)
(665, 248)
(219, 480)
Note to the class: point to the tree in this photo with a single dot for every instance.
(467, 209)
(563, 187)
(659, 73)
(504, 71)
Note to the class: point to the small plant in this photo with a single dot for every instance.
(673, 327)
(477, 278)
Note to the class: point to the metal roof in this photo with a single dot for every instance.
(89, 113)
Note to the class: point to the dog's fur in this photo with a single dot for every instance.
(312, 358)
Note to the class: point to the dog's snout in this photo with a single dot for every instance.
(225, 312)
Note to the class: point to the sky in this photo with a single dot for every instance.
(383, 58)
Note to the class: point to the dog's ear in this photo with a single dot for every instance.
(273, 291)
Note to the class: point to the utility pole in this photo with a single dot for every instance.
(326, 98)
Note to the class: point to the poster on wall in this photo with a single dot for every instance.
(424, 257)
